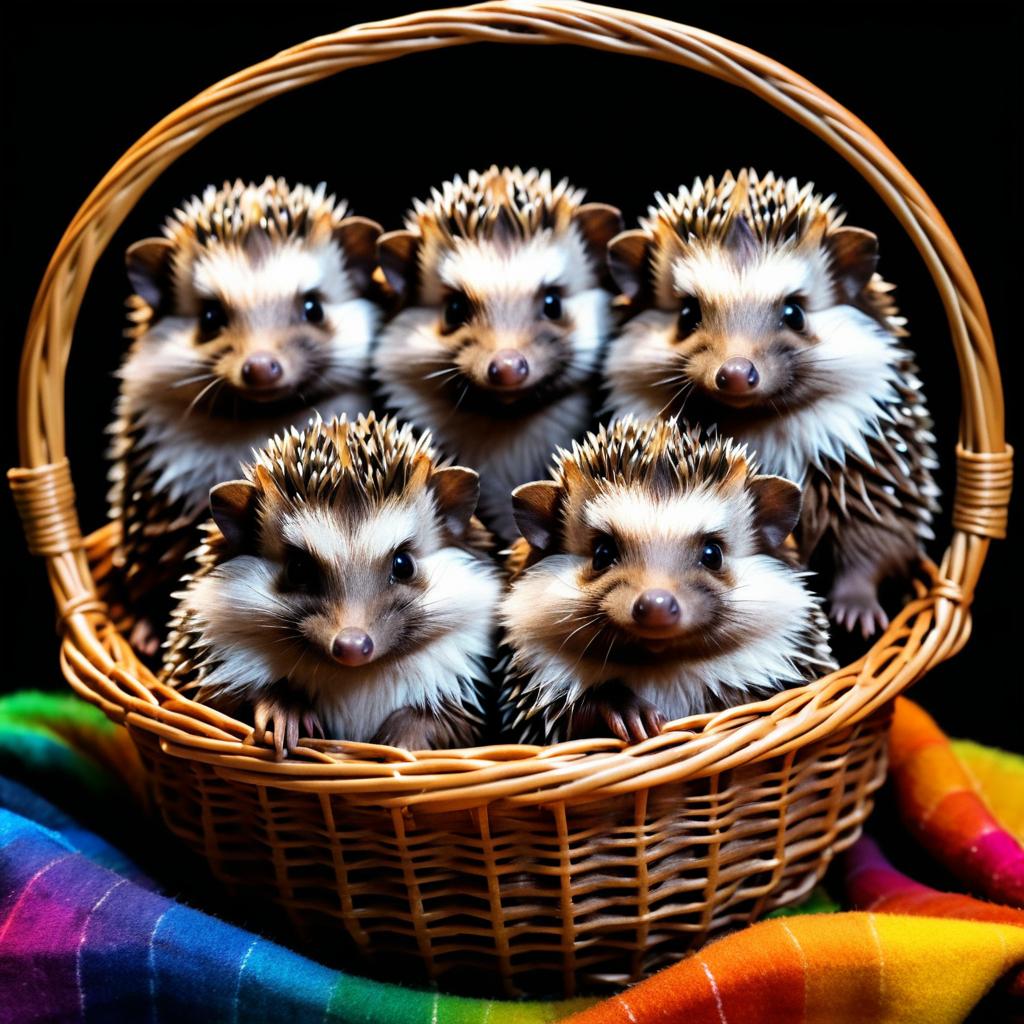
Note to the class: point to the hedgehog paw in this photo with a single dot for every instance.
(408, 728)
(855, 603)
(615, 706)
(144, 638)
(284, 721)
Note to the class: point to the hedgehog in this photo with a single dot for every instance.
(653, 582)
(255, 308)
(343, 587)
(753, 307)
(505, 306)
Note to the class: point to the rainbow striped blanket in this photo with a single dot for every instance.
(91, 929)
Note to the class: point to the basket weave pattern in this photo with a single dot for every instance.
(564, 867)
(616, 888)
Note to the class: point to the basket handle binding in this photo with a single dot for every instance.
(42, 486)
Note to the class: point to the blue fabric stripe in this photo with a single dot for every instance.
(114, 959)
(196, 953)
(25, 804)
(279, 985)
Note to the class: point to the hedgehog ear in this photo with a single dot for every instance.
(854, 258)
(628, 260)
(357, 237)
(535, 508)
(457, 491)
(741, 242)
(233, 507)
(149, 269)
(397, 252)
(598, 223)
(777, 503)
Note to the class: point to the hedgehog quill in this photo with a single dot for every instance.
(756, 309)
(504, 315)
(249, 313)
(343, 587)
(656, 585)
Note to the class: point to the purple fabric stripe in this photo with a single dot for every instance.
(39, 940)
(20, 858)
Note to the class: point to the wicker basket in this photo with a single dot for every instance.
(571, 867)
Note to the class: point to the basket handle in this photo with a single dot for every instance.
(42, 486)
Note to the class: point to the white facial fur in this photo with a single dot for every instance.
(711, 275)
(412, 360)
(855, 359)
(237, 614)
(482, 268)
(167, 368)
(767, 616)
(634, 513)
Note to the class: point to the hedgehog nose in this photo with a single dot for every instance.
(656, 608)
(737, 376)
(261, 370)
(352, 647)
(508, 368)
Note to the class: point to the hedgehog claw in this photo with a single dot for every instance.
(144, 638)
(285, 723)
(312, 726)
(628, 717)
(855, 603)
(615, 723)
(653, 719)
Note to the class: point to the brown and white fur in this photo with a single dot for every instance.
(343, 588)
(657, 585)
(249, 314)
(504, 317)
(753, 308)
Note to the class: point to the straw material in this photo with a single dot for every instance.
(574, 866)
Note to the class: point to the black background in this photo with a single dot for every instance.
(943, 94)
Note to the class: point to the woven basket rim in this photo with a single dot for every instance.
(100, 665)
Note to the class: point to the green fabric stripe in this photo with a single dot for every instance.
(54, 735)
(819, 902)
(358, 1000)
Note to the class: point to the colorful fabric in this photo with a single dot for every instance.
(79, 941)
(943, 811)
(832, 969)
(87, 934)
(998, 778)
(872, 883)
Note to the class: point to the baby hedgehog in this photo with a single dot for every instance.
(343, 586)
(756, 309)
(504, 318)
(657, 586)
(249, 313)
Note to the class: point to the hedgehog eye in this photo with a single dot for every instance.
(456, 310)
(605, 551)
(312, 310)
(403, 567)
(213, 318)
(792, 316)
(300, 570)
(689, 317)
(711, 555)
(553, 303)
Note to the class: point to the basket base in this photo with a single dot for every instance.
(556, 900)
